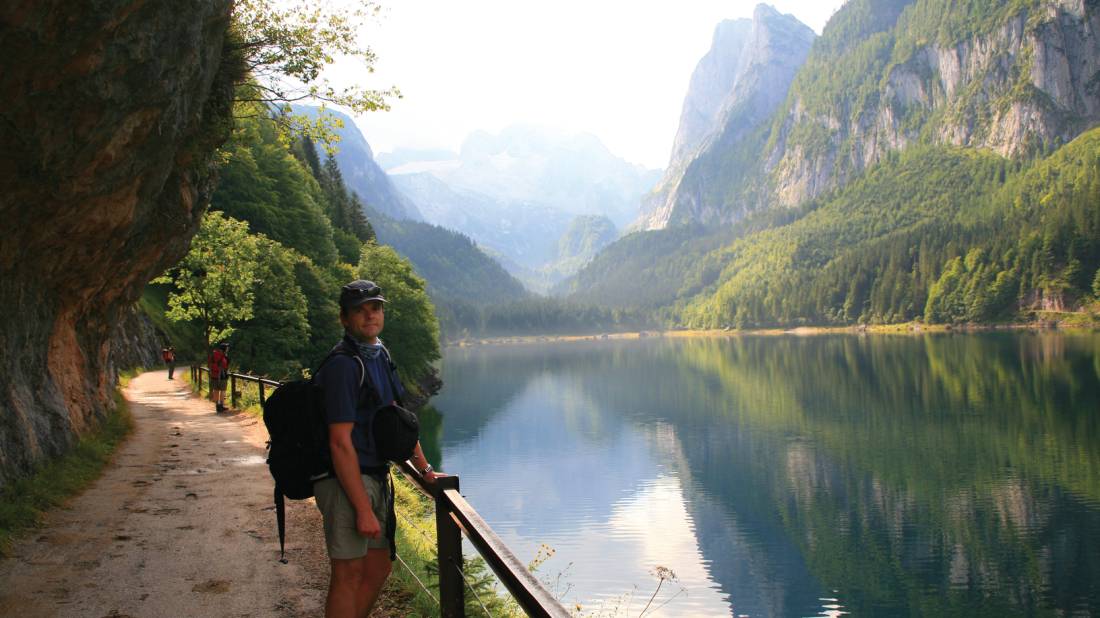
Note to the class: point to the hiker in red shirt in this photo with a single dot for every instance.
(169, 356)
(219, 375)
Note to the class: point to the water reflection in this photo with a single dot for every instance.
(945, 475)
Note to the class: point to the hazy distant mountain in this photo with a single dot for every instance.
(361, 174)
(390, 160)
(516, 194)
(525, 233)
(573, 173)
(586, 236)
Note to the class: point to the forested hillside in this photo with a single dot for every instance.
(940, 235)
(454, 267)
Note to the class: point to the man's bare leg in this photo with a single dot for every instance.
(377, 567)
(342, 587)
(356, 584)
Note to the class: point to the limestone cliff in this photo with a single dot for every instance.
(134, 342)
(735, 90)
(113, 110)
(1026, 82)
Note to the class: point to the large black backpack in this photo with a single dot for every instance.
(295, 418)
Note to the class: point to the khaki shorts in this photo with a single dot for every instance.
(342, 539)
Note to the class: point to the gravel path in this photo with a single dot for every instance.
(180, 524)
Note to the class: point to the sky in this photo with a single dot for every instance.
(615, 68)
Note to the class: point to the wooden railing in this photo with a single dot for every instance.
(234, 394)
(454, 516)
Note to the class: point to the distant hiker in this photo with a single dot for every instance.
(219, 375)
(357, 504)
(169, 356)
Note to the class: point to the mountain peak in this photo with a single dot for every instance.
(735, 88)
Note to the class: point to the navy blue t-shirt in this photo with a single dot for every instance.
(345, 402)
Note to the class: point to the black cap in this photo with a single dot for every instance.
(358, 292)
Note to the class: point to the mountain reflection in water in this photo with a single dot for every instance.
(791, 476)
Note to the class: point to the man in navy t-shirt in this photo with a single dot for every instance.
(356, 503)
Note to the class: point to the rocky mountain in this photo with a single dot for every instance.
(711, 83)
(1017, 78)
(735, 89)
(931, 160)
(362, 175)
(112, 114)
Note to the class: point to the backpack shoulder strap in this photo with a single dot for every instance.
(391, 372)
(340, 350)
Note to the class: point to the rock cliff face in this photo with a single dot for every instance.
(735, 90)
(711, 84)
(113, 111)
(1029, 83)
(134, 342)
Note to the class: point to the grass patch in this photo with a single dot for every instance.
(126, 375)
(23, 502)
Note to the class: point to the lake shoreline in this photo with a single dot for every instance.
(906, 328)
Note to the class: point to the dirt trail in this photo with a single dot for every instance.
(180, 524)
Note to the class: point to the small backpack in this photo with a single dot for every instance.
(396, 432)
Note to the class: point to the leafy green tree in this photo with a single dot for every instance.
(1096, 284)
(344, 208)
(262, 183)
(215, 281)
(285, 47)
(321, 289)
(272, 342)
(411, 328)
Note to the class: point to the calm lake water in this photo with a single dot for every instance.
(790, 476)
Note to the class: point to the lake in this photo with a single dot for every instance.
(877, 475)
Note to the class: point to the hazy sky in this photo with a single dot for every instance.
(615, 68)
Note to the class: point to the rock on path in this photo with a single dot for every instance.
(180, 524)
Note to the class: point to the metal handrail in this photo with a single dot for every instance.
(454, 516)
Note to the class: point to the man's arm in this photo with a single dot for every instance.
(420, 462)
(345, 462)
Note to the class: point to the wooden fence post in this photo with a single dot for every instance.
(262, 398)
(233, 391)
(452, 591)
